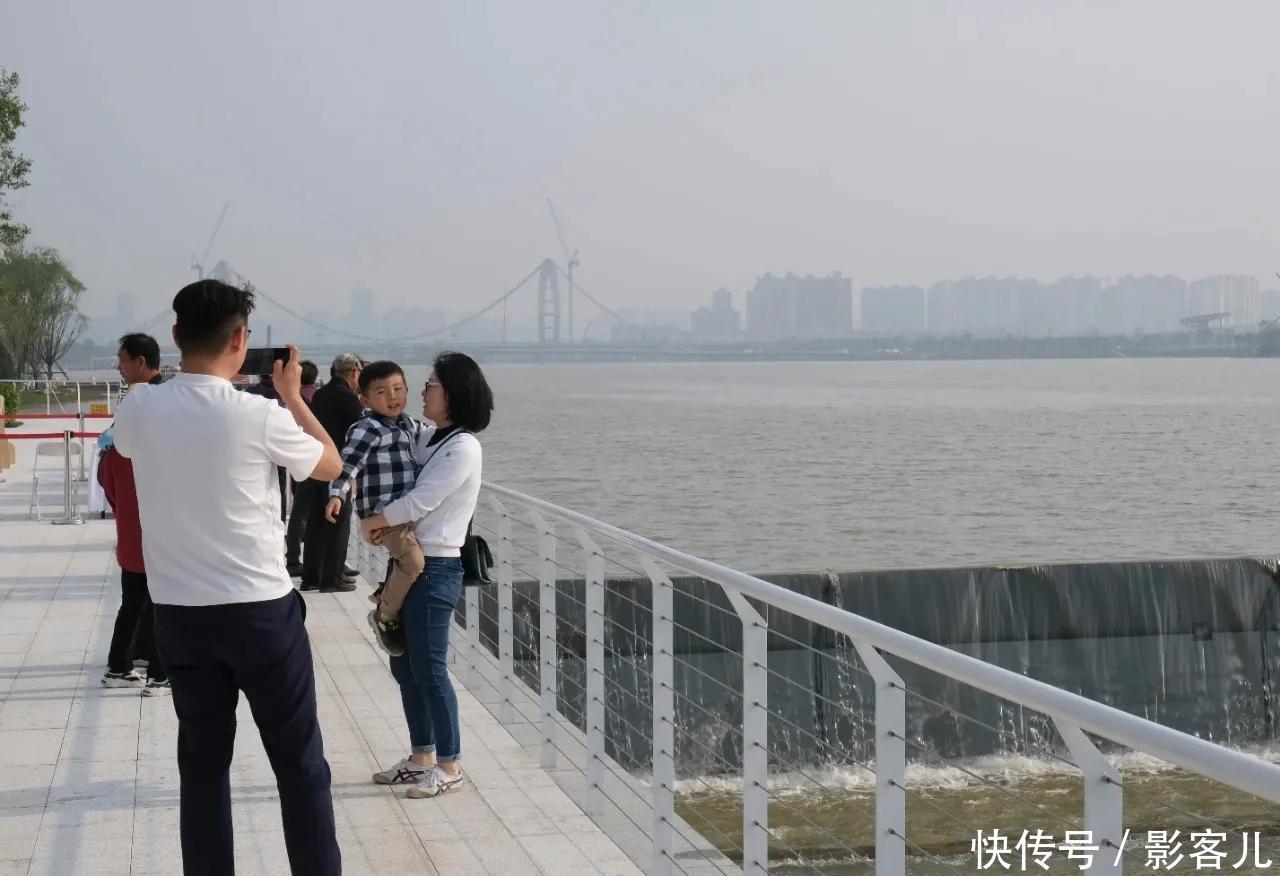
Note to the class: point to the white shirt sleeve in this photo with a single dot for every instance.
(444, 475)
(287, 445)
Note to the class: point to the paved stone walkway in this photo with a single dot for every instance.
(88, 778)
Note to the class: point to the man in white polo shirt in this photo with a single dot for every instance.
(227, 618)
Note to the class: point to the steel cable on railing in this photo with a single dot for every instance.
(730, 727)
(1026, 801)
(791, 766)
(721, 648)
(627, 783)
(997, 730)
(732, 768)
(1196, 817)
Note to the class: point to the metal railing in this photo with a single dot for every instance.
(53, 396)
(605, 673)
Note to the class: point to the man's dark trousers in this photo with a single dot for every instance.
(212, 653)
(132, 637)
(308, 498)
(325, 552)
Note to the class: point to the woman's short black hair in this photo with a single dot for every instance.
(136, 345)
(380, 370)
(310, 371)
(470, 399)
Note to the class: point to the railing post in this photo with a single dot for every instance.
(891, 762)
(70, 515)
(548, 652)
(664, 718)
(755, 735)
(506, 656)
(1103, 799)
(594, 591)
(472, 595)
(80, 422)
(48, 408)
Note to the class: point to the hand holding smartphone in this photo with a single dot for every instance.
(286, 374)
(259, 360)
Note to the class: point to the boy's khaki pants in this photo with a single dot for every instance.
(408, 564)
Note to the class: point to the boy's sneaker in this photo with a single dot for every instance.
(155, 688)
(123, 679)
(438, 783)
(403, 772)
(389, 633)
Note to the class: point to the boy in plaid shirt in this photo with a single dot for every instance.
(378, 456)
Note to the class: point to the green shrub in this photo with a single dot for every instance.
(12, 401)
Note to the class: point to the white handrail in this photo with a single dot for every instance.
(1233, 768)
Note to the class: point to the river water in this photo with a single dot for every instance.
(799, 466)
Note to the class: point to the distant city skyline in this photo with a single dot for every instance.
(790, 305)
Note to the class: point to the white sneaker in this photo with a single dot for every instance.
(123, 679)
(157, 688)
(403, 772)
(438, 783)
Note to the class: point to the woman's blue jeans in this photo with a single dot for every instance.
(430, 705)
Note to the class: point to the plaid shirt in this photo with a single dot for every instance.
(378, 455)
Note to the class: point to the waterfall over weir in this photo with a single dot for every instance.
(1189, 644)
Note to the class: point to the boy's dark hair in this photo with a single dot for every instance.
(379, 370)
(137, 345)
(310, 371)
(470, 398)
(208, 312)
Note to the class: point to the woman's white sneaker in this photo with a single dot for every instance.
(438, 783)
(404, 772)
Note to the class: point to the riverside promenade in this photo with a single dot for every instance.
(88, 776)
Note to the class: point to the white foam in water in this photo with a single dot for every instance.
(1000, 768)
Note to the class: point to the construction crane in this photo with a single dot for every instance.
(571, 262)
(1269, 323)
(198, 265)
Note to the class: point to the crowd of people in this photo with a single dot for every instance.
(199, 472)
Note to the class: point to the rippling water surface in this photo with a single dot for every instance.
(786, 466)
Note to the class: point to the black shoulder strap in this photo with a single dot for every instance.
(454, 434)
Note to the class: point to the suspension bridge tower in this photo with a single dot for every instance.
(548, 303)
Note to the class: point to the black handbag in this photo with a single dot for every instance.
(477, 559)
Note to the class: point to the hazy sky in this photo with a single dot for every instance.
(408, 147)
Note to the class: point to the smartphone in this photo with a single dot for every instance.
(258, 360)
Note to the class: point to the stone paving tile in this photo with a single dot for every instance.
(88, 778)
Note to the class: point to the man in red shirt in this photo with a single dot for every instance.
(139, 361)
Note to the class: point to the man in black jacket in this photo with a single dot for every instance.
(336, 405)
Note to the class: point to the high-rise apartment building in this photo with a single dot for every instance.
(800, 307)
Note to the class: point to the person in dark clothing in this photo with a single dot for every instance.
(310, 372)
(337, 406)
(132, 636)
(299, 513)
